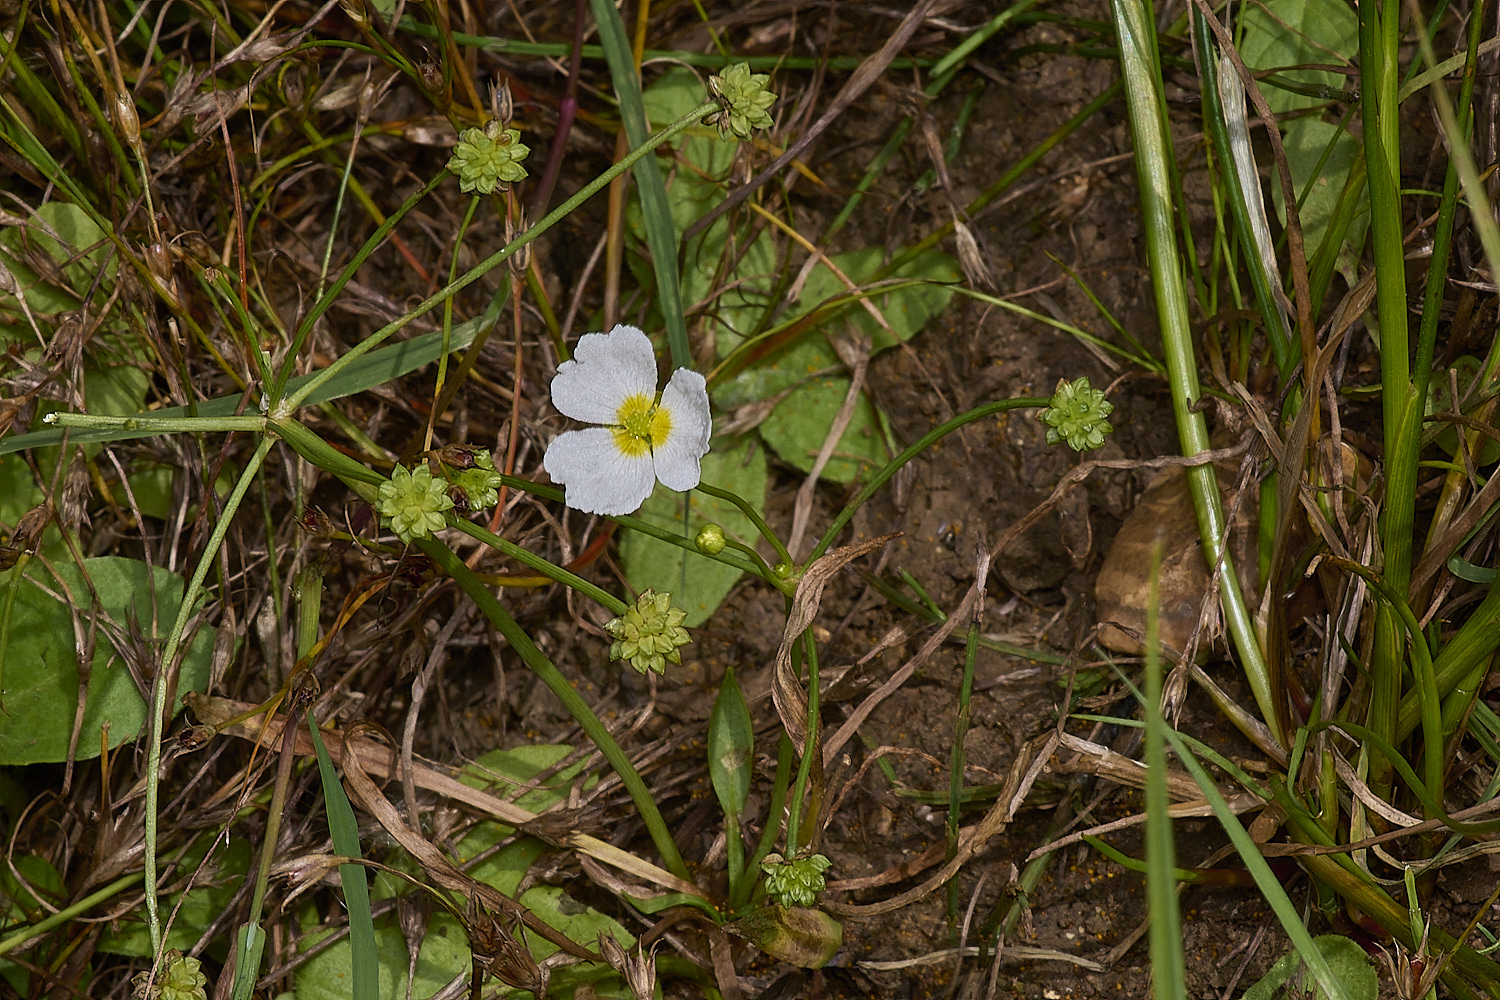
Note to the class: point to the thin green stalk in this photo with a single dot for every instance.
(541, 565)
(741, 894)
(1153, 153)
(749, 511)
(159, 707)
(516, 47)
(1401, 408)
(916, 448)
(1167, 965)
(442, 372)
(1005, 180)
(68, 914)
(656, 211)
(1278, 332)
(1426, 679)
(522, 646)
(296, 399)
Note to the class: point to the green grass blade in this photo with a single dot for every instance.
(1265, 879)
(1168, 973)
(376, 368)
(661, 231)
(345, 830)
(1153, 152)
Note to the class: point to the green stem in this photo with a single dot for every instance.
(749, 511)
(1153, 154)
(549, 675)
(159, 707)
(542, 566)
(809, 752)
(768, 834)
(920, 445)
(67, 914)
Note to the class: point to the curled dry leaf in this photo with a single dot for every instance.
(786, 687)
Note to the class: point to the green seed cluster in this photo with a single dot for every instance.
(648, 634)
(1078, 414)
(488, 157)
(744, 99)
(796, 882)
(413, 503)
(480, 482)
(183, 979)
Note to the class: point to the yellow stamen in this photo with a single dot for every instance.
(640, 425)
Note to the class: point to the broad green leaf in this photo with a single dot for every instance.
(797, 428)
(798, 425)
(1282, 33)
(41, 674)
(907, 309)
(194, 913)
(1350, 965)
(1306, 140)
(364, 954)
(520, 766)
(731, 746)
(696, 582)
(445, 948)
(78, 233)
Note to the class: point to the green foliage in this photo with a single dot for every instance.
(445, 948)
(196, 909)
(41, 674)
(19, 905)
(1348, 961)
(731, 747)
(701, 583)
(1283, 33)
(54, 241)
(487, 158)
(1320, 157)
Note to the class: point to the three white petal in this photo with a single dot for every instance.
(609, 371)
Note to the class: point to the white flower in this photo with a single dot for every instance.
(646, 435)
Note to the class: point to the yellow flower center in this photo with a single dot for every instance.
(640, 425)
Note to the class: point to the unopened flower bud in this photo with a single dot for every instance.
(128, 122)
(502, 106)
(710, 540)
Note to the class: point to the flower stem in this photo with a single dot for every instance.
(549, 675)
(920, 445)
(754, 515)
(542, 566)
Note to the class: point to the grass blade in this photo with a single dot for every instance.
(1168, 973)
(345, 830)
(661, 232)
